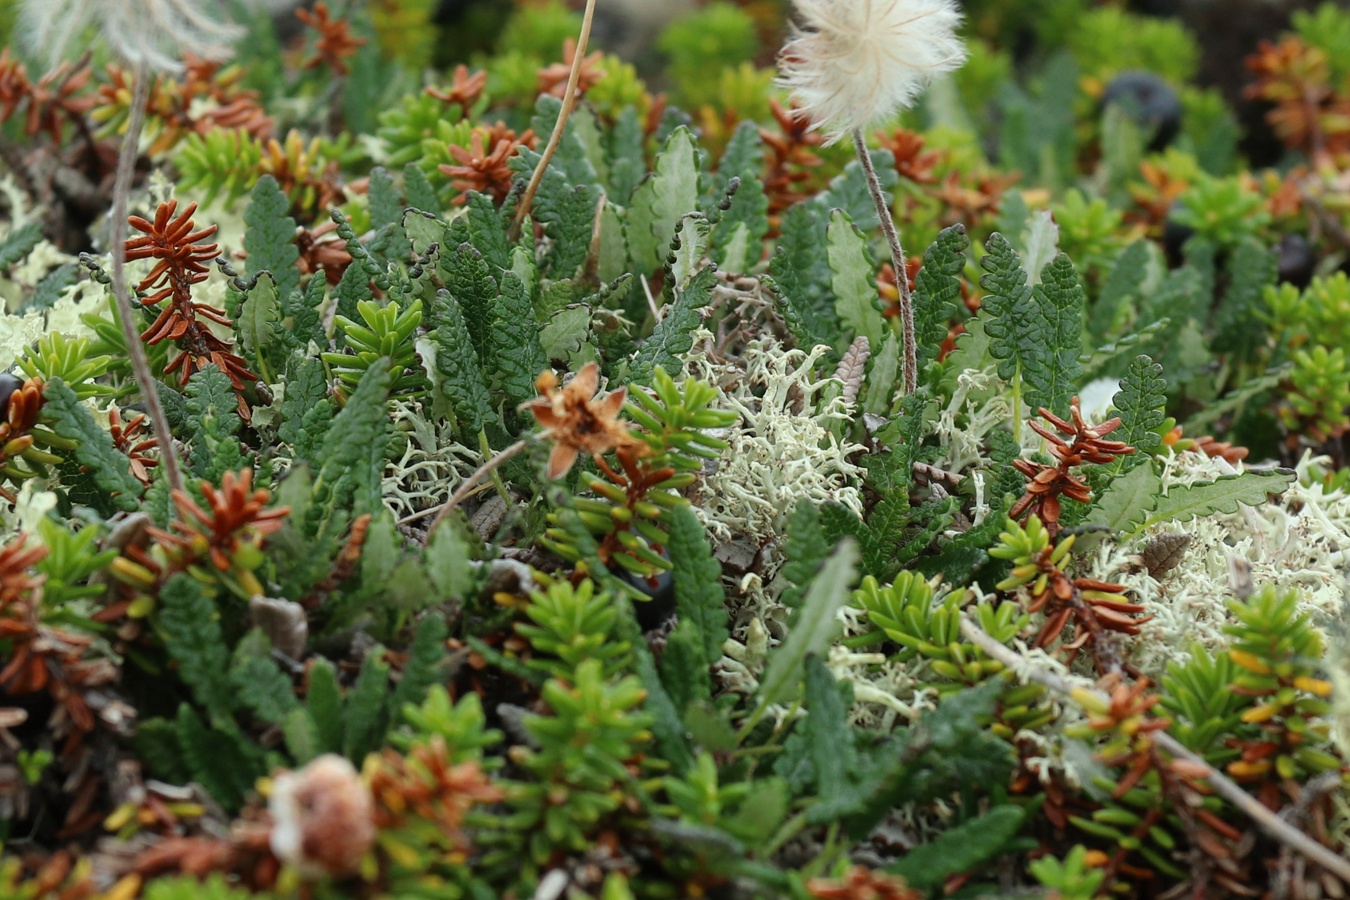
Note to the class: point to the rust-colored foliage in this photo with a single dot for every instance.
(889, 288)
(553, 79)
(1049, 483)
(1095, 607)
(1309, 114)
(1155, 197)
(237, 520)
(335, 43)
(133, 439)
(181, 262)
(862, 883)
(56, 99)
(311, 186)
(345, 564)
(1127, 720)
(1206, 444)
(243, 853)
(638, 479)
(42, 658)
(966, 203)
(465, 89)
(427, 786)
(321, 248)
(56, 877)
(790, 160)
(16, 431)
(911, 163)
(206, 97)
(488, 172)
(227, 538)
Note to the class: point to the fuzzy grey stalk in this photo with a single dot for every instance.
(140, 364)
(855, 63)
(909, 361)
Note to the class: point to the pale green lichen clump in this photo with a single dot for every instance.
(782, 449)
(1298, 543)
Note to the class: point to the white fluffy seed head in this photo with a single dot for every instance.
(853, 63)
(156, 33)
(322, 818)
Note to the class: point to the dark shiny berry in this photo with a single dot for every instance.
(8, 385)
(1175, 236)
(1296, 260)
(661, 590)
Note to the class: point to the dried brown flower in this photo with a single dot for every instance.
(479, 170)
(553, 79)
(465, 89)
(335, 45)
(575, 422)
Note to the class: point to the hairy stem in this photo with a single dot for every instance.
(568, 101)
(140, 365)
(909, 366)
(468, 485)
(1266, 820)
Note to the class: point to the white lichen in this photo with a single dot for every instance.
(977, 407)
(782, 449)
(1300, 542)
(432, 465)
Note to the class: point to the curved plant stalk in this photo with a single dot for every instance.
(909, 366)
(140, 365)
(568, 101)
(468, 485)
(1266, 820)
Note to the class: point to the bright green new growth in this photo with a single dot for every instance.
(383, 336)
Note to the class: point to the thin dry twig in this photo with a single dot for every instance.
(568, 101)
(140, 365)
(1266, 820)
(463, 490)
